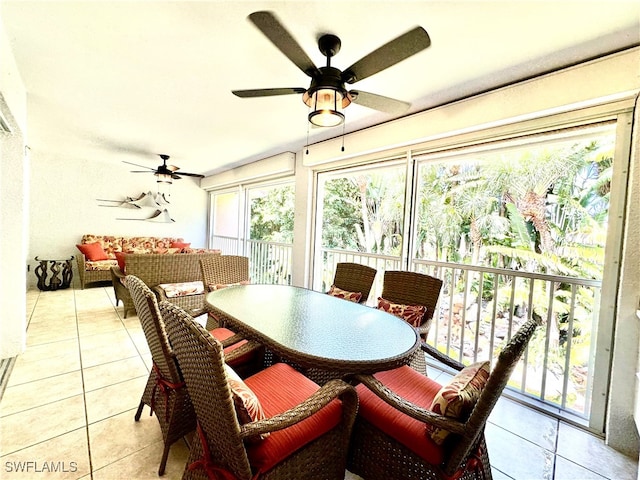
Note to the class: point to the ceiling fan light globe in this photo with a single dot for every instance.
(164, 178)
(327, 105)
(326, 118)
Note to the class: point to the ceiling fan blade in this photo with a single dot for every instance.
(188, 174)
(173, 168)
(141, 171)
(267, 92)
(387, 55)
(268, 24)
(379, 102)
(141, 166)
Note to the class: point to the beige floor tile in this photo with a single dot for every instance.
(94, 326)
(24, 371)
(39, 333)
(47, 351)
(115, 399)
(139, 339)
(40, 392)
(50, 317)
(106, 347)
(30, 427)
(107, 374)
(115, 338)
(148, 360)
(143, 464)
(119, 436)
(62, 457)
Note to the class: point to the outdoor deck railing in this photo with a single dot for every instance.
(481, 307)
(478, 311)
(269, 262)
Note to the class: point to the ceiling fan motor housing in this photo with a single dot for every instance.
(329, 78)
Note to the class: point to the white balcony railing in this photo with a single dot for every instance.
(478, 311)
(480, 308)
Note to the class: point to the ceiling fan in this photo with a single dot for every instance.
(327, 95)
(165, 172)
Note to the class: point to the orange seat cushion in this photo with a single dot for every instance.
(221, 334)
(280, 388)
(417, 389)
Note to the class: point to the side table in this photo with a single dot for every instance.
(55, 267)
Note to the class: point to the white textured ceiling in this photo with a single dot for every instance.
(122, 80)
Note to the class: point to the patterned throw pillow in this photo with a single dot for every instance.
(457, 399)
(248, 407)
(184, 289)
(338, 292)
(218, 286)
(413, 314)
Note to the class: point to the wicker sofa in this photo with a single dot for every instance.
(99, 270)
(162, 269)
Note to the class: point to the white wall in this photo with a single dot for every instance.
(64, 205)
(14, 198)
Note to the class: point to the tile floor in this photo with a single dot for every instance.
(67, 411)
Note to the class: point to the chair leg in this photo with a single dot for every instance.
(163, 462)
(139, 412)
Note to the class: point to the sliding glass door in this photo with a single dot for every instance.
(256, 221)
(515, 228)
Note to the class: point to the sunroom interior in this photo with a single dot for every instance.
(49, 201)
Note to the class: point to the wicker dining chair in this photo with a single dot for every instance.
(224, 270)
(304, 430)
(354, 277)
(396, 414)
(165, 393)
(412, 288)
(220, 271)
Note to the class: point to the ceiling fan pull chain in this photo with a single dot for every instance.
(307, 151)
(342, 149)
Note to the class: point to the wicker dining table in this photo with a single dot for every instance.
(330, 336)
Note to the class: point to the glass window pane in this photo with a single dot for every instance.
(225, 214)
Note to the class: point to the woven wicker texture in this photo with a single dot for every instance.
(201, 360)
(354, 277)
(465, 450)
(121, 292)
(154, 269)
(90, 276)
(224, 269)
(172, 406)
(412, 288)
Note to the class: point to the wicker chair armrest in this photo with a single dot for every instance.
(441, 357)
(196, 312)
(408, 408)
(81, 259)
(321, 398)
(161, 295)
(117, 273)
(235, 339)
(241, 350)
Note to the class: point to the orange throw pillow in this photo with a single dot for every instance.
(93, 251)
(120, 259)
